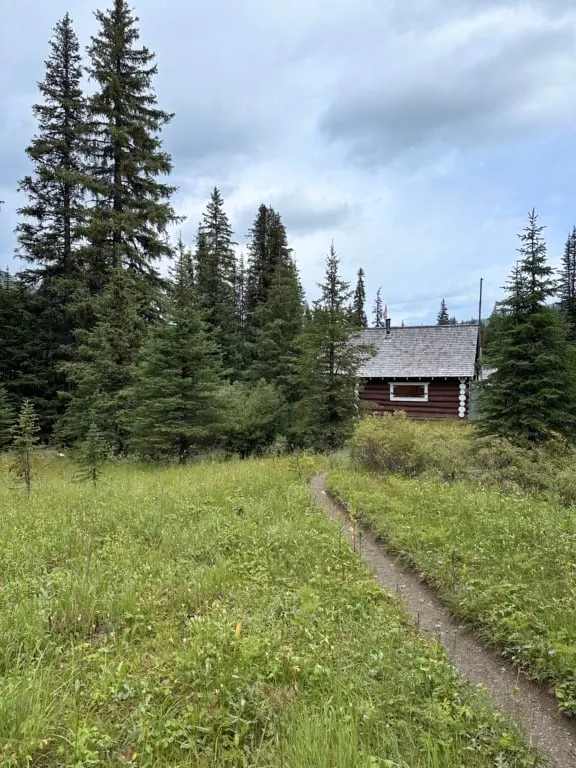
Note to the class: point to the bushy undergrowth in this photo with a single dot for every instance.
(212, 616)
(452, 451)
(505, 563)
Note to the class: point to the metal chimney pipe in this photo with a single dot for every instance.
(388, 324)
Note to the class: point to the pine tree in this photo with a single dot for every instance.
(103, 366)
(331, 361)
(91, 456)
(268, 247)
(359, 301)
(567, 286)
(275, 351)
(25, 441)
(6, 418)
(49, 234)
(531, 396)
(175, 392)
(443, 316)
(131, 207)
(378, 310)
(217, 280)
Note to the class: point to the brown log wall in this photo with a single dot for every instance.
(443, 399)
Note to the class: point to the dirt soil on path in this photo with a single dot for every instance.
(531, 707)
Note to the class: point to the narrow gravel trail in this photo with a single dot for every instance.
(533, 709)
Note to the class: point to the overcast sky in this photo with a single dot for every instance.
(415, 133)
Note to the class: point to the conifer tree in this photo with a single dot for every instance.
(131, 206)
(25, 441)
(359, 301)
(567, 283)
(217, 280)
(268, 247)
(174, 396)
(443, 316)
(531, 396)
(275, 351)
(48, 237)
(103, 366)
(49, 233)
(91, 456)
(331, 362)
(378, 310)
(6, 418)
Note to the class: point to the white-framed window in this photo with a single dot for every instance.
(409, 392)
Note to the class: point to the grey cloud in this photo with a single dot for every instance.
(449, 103)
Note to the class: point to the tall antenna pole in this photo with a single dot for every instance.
(480, 322)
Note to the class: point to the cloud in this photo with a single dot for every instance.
(458, 117)
(501, 75)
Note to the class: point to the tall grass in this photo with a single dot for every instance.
(506, 563)
(211, 616)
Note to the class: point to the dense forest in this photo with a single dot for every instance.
(98, 346)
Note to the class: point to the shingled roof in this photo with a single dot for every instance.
(425, 351)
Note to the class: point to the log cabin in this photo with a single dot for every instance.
(425, 371)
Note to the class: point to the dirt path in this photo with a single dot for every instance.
(532, 708)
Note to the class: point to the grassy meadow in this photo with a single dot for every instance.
(212, 616)
(499, 548)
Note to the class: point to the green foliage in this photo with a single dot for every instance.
(216, 281)
(104, 365)
(378, 310)
(531, 396)
(275, 350)
(503, 563)
(255, 415)
(267, 248)
(177, 618)
(359, 301)
(173, 400)
(91, 456)
(443, 316)
(49, 231)
(24, 442)
(392, 443)
(567, 283)
(6, 418)
(331, 360)
(131, 208)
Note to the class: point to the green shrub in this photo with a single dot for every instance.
(388, 443)
(393, 443)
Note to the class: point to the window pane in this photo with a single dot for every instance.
(409, 390)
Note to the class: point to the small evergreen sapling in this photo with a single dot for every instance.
(25, 441)
(6, 419)
(91, 456)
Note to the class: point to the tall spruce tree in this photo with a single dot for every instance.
(49, 235)
(332, 358)
(49, 232)
(275, 351)
(174, 397)
(378, 310)
(268, 247)
(217, 280)
(443, 317)
(567, 283)
(359, 302)
(104, 364)
(131, 207)
(531, 396)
